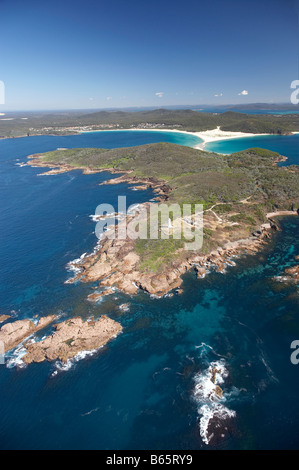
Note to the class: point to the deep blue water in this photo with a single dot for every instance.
(138, 392)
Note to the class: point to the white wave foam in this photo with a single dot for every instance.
(77, 260)
(65, 366)
(97, 217)
(209, 414)
(90, 412)
(210, 398)
(73, 266)
(124, 307)
(16, 359)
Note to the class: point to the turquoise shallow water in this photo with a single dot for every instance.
(145, 390)
(287, 145)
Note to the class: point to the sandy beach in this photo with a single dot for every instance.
(212, 135)
(217, 134)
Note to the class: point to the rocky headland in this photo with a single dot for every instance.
(236, 191)
(116, 264)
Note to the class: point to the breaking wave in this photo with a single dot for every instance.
(70, 363)
(211, 399)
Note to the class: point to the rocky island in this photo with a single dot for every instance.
(12, 334)
(71, 337)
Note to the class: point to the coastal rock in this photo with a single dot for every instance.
(72, 337)
(124, 307)
(214, 371)
(160, 284)
(141, 187)
(220, 267)
(274, 225)
(98, 295)
(293, 273)
(12, 334)
(201, 272)
(3, 318)
(218, 391)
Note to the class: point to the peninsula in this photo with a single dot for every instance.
(242, 195)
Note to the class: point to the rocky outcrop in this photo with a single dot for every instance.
(3, 318)
(291, 275)
(12, 334)
(115, 264)
(158, 186)
(98, 295)
(72, 337)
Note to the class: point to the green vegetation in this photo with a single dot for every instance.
(223, 208)
(243, 217)
(207, 233)
(238, 189)
(184, 119)
(69, 341)
(196, 176)
(156, 253)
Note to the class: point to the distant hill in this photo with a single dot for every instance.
(183, 119)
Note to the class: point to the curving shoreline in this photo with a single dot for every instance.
(209, 136)
(212, 135)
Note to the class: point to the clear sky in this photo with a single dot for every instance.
(120, 53)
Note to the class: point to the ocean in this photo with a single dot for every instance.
(150, 387)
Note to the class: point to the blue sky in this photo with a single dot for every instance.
(99, 54)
